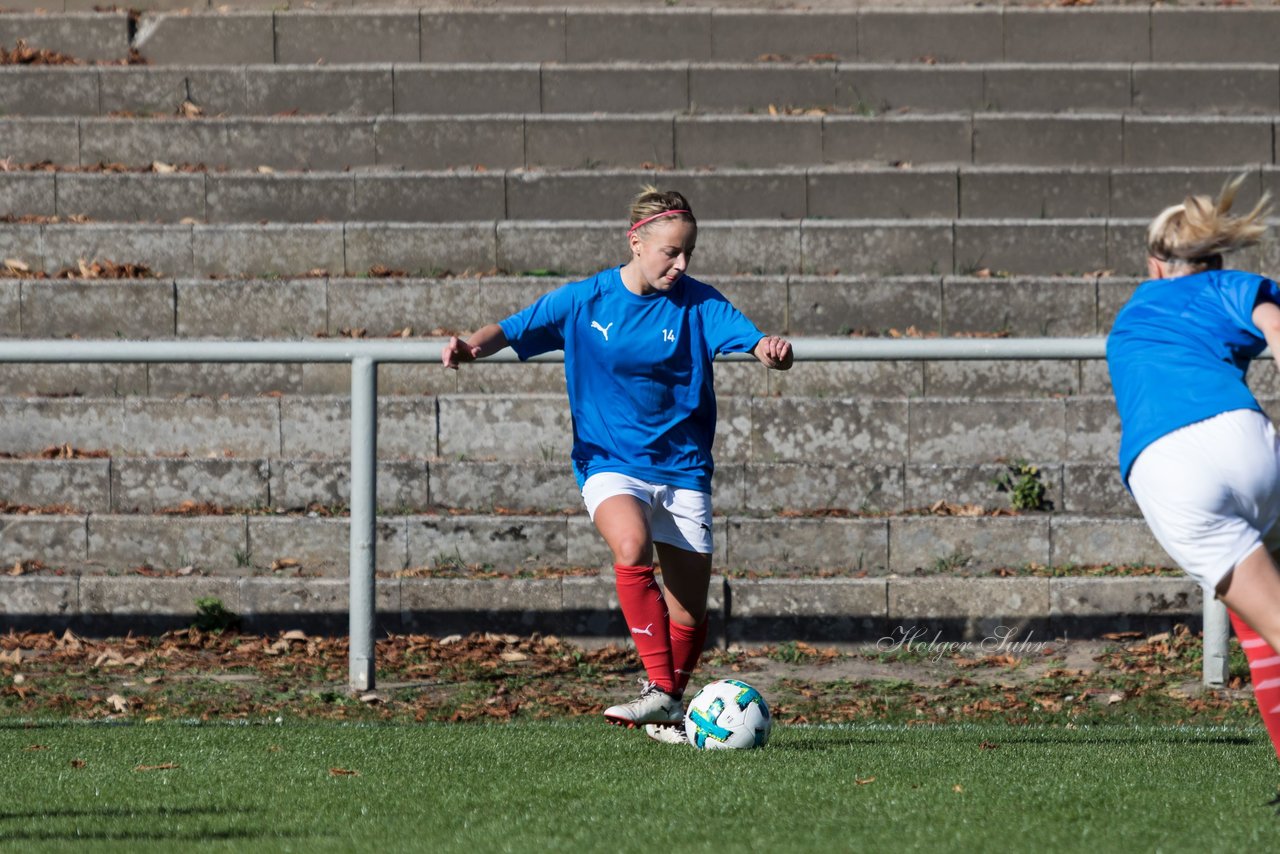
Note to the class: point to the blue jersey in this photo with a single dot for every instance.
(638, 370)
(1178, 353)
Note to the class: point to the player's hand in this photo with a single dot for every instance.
(774, 351)
(458, 351)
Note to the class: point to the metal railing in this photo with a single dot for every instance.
(365, 356)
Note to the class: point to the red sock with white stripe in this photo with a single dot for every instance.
(645, 612)
(1264, 667)
(686, 648)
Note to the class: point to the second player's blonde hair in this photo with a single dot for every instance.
(1200, 230)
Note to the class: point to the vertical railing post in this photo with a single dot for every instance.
(364, 455)
(1217, 633)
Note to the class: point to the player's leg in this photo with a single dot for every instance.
(682, 534)
(1210, 493)
(1252, 593)
(686, 577)
(620, 510)
(681, 525)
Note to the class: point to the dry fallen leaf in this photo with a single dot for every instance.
(513, 656)
(864, 781)
(78, 763)
(343, 772)
(120, 704)
(164, 766)
(163, 168)
(286, 563)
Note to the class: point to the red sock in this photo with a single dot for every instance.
(686, 648)
(645, 612)
(1264, 666)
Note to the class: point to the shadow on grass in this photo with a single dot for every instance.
(143, 834)
(1013, 736)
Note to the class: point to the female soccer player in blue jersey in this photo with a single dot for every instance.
(1196, 450)
(638, 344)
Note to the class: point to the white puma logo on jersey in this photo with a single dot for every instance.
(604, 330)
(647, 630)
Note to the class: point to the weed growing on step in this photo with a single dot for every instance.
(213, 616)
(952, 562)
(1026, 490)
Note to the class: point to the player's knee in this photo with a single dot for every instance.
(632, 551)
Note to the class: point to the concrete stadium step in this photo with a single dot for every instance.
(82, 34)
(1072, 247)
(608, 35)
(516, 427)
(983, 379)
(237, 546)
(743, 608)
(194, 486)
(825, 192)
(602, 34)
(656, 140)
(809, 306)
(621, 88)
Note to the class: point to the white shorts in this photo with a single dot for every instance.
(1210, 492)
(678, 517)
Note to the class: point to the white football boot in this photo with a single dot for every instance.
(653, 706)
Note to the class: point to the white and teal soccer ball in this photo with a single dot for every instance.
(727, 714)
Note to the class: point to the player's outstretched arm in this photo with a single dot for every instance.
(774, 351)
(1266, 315)
(485, 341)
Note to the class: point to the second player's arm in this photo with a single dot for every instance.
(1266, 315)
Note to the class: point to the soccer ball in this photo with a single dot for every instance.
(727, 714)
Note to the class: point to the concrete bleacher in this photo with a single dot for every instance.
(423, 170)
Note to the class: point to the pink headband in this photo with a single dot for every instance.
(650, 219)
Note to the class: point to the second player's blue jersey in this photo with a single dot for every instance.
(639, 372)
(1178, 353)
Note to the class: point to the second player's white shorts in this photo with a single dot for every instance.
(1210, 492)
(679, 517)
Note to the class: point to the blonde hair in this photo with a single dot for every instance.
(652, 203)
(1198, 232)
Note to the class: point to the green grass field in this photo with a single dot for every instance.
(582, 786)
